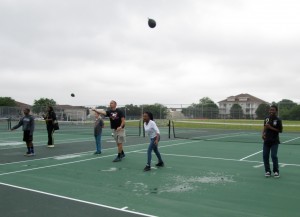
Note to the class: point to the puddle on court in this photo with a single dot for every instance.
(180, 184)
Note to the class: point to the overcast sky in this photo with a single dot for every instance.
(104, 49)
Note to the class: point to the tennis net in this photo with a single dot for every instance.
(133, 127)
(5, 124)
(243, 132)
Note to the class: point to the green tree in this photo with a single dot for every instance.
(209, 108)
(284, 108)
(262, 111)
(295, 113)
(133, 111)
(41, 104)
(159, 111)
(206, 108)
(236, 111)
(7, 101)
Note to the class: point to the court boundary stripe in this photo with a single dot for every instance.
(218, 158)
(77, 200)
(287, 141)
(83, 153)
(244, 158)
(83, 160)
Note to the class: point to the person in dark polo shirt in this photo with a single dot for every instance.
(117, 124)
(270, 136)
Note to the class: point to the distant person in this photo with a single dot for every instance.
(50, 117)
(99, 124)
(153, 132)
(27, 123)
(117, 124)
(270, 135)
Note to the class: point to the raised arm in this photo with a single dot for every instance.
(100, 112)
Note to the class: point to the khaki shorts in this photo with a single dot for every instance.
(119, 136)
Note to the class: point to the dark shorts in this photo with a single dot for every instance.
(27, 137)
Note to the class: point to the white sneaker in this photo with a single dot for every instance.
(276, 175)
(50, 146)
(267, 174)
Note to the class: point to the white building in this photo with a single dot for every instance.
(248, 103)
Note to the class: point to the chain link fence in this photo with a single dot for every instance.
(174, 111)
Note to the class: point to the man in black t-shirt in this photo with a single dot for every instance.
(50, 117)
(117, 124)
(270, 135)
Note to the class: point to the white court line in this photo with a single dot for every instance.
(218, 158)
(258, 166)
(262, 150)
(80, 153)
(244, 158)
(77, 200)
(291, 140)
(84, 160)
(58, 142)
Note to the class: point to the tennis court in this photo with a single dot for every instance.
(201, 177)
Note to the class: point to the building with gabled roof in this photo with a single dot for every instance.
(248, 103)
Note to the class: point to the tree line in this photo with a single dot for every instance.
(205, 108)
(131, 111)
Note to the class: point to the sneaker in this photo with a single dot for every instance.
(50, 146)
(267, 174)
(27, 154)
(97, 152)
(117, 159)
(160, 164)
(123, 155)
(276, 175)
(147, 168)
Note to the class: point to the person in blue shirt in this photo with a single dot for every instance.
(99, 124)
(27, 123)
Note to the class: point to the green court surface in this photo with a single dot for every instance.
(200, 178)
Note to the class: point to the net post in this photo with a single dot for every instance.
(140, 125)
(174, 135)
(144, 134)
(169, 126)
(9, 123)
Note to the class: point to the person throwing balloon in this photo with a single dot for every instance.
(153, 132)
(117, 124)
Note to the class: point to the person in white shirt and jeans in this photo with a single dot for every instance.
(153, 132)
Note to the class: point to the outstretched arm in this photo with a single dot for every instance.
(99, 112)
(18, 125)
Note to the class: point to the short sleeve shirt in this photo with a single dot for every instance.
(99, 124)
(115, 118)
(272, 137)
(151, 129)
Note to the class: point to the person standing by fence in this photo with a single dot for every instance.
(50, 118)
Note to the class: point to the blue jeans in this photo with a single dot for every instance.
(154, 147)
(266, 155)
(98, 142)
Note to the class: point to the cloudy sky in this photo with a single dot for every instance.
(103, 49)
